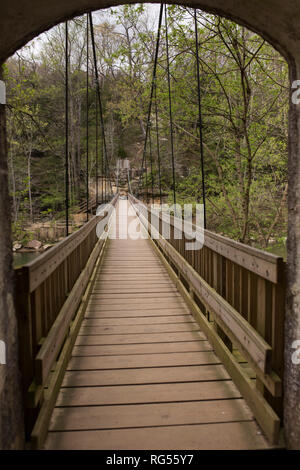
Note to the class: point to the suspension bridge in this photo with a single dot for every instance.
(130, 344)
(144, 344)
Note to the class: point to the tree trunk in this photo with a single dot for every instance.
(29, 184)
(13, 183)
(11, 418)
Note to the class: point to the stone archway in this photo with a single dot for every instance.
(278, 23)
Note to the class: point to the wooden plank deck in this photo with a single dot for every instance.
(142, 374)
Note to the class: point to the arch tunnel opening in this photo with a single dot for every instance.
(185, 129)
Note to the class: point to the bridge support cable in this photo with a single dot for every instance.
(87, 118)
(117, 173)
(146, 173)
(99, 97)
(129, 182)
(102, 172)
(151, 165)
(200, 123)
(97, 150)
(170, 108)
(157, 144)
(105, 176)
(151, 92)
(67, 127)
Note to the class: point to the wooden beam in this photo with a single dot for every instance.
(266, 417)
(41, 268)
(263, 264)
(236, 327)
(52, 344)
(40, 429)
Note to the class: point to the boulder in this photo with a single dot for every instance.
(34, 245)
(17, 246)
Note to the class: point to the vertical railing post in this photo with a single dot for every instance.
(25, 337)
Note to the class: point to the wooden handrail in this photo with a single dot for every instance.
(49, 292)
(40, 268)
(240, 290)
(92, 203)
(83, 205)
(266, 265)
(249, 340)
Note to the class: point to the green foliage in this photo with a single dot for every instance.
(244, 97)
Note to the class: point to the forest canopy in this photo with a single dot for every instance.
(244, 96)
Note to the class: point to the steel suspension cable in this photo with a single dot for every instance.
(129, 182)
(151, 165)
(105, 176)
(99, 95)
(67, 126)
(170, 108)
(200, 117)
(97, 148)
(146, 172)
(152, 88)
(87, 118)
(102, 173)
(157, 145)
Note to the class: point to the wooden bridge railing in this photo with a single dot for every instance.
(92, 204)
(49, 293)
(237, 294)
(83, 206)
